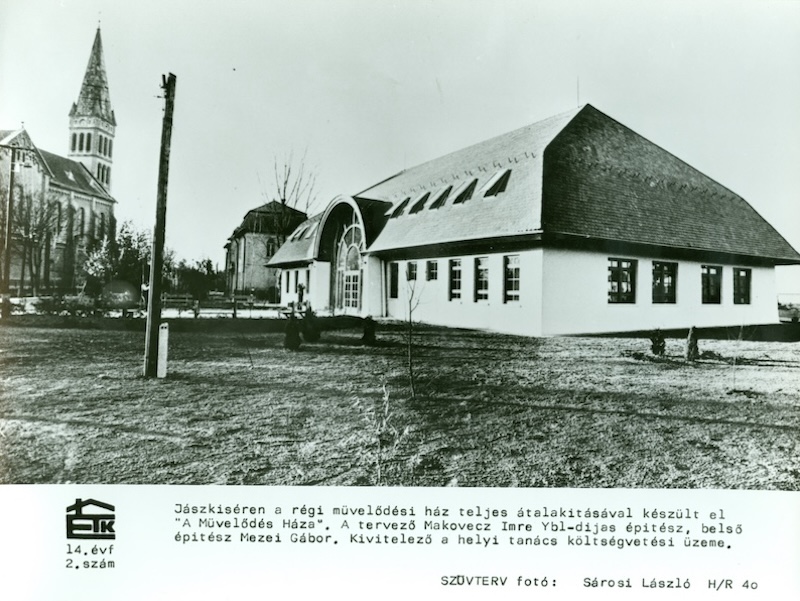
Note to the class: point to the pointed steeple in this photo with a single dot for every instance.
(94, 99)
(91, 119)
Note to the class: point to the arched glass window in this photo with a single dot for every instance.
(74, 141)
(80, 143)
(348, 267)
(110, 145)
(88, 142)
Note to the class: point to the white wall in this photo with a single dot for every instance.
(430, 302)
(575, 287)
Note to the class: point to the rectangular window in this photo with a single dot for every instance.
(455, 279)
(432, 270)
(411, 271)
(287, 275)
(712, 284)
(351, 290)
(481, 278)
(511, 278)
(394, 279)
(621, 280)
(741, 285)
(296, 280)
(665, 277)
(308, 280)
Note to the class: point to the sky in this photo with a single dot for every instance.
(365, 89)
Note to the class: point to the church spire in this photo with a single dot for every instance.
(94, 99)
(91, 119)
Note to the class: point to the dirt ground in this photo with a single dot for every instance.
(489, 410)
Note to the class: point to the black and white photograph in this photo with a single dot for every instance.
(402, 250)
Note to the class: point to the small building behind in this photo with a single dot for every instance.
(251, 246)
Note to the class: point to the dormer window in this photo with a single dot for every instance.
(441, 199)
(420, 204)
(398, 210)
(465, 191)
(497, 185)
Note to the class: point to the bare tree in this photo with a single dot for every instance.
(295, 188)
(412, 302)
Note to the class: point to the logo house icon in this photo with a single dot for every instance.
(90, 519)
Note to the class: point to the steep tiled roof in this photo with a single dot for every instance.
(602, 180)
(72, 175)
(580, 173)
(513, 212)
(94, 99)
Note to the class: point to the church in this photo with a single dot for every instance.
(572, 225)
(61, 206)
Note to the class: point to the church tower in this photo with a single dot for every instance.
(91, 119)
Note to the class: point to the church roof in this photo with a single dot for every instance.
(94, 99)
(73, 176)
(580, 174)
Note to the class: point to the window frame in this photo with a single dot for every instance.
(511, 278)
(481, 279)
(454, 279)
(394, 279)
(742, 275)
(411, 271)
(665, 294)
(431, 270)
(711, 284)
(616, 275)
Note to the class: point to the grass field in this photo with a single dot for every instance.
(490, 410)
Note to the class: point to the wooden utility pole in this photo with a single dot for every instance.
(5, 301)
(157, 256)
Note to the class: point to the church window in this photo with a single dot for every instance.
(81, 221)
(454, 291)
(80, 143)
(88, 142)
(465, 192)
(108, 175)
(110, 146)
(481, 278)
(74, 141)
